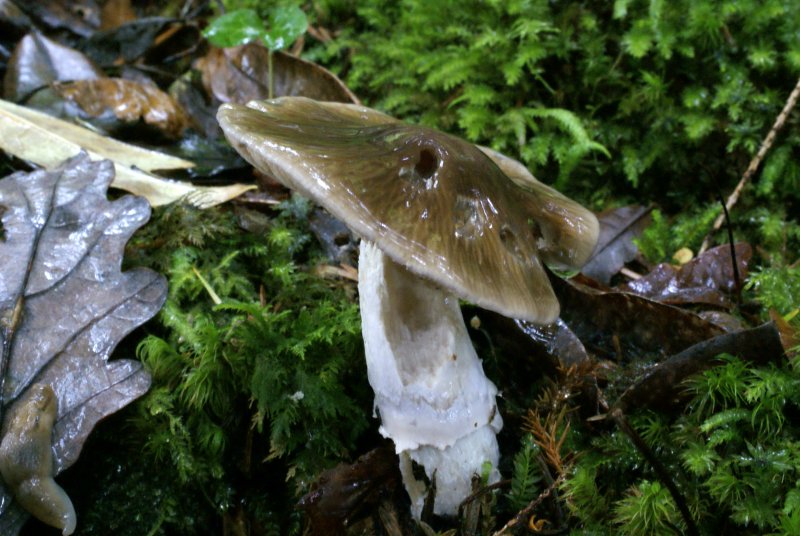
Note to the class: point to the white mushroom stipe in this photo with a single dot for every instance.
(434, 400)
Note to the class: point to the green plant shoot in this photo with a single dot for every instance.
(242, 26)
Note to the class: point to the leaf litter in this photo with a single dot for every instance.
(65, 305)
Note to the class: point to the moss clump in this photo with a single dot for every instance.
(252, 397)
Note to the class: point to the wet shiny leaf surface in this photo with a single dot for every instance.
(65, 304)
(626, 323)
(120, 105)
(240, 74)
(708, 279)
(615, 247)
(38, 61)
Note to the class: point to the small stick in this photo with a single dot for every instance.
(755, 162)
(523, 514)
(622, 421)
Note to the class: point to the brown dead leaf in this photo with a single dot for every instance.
(607, 319)
(615, 247)
(128, 101)
(47, 141)
(707, 279)
(240, 74)
(348, 492)
(81, 17)
(661, 387)
(38, 61)
(115, 13)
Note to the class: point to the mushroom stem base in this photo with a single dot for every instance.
(433, 397)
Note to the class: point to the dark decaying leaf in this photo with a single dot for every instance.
(188, 92)
(38, 61)
(126, 43)
(337, 240)
(662, 384)
(13, 25)
(120, 105)
(240, 74)
(60, 270)
(81, 17)
(707, 279)
(607, 319)
(615, 247)
(348, 492)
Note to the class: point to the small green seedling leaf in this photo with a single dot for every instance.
(286, 25)
(236, 28)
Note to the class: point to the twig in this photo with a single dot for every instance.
(755, 162)
(737, 281)
(661, 471)
(523, 514)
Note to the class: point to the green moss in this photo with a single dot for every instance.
(267, 386)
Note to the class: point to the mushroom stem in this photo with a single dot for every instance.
(434, 400)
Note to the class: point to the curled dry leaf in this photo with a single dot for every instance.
(47, 141)
(240, 74)
(127, 101)
(64, 306)
(708, 279)
(38, 61)
(615, 246)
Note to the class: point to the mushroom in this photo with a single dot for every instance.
(439, 222)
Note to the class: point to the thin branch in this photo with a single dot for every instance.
(755, 162)
(622, 421)
(525, 513)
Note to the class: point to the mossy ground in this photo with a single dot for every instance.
(659, 103)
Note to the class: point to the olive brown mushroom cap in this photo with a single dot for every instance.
(433, 202)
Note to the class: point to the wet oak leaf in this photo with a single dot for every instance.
(80, 17)
(65, 303)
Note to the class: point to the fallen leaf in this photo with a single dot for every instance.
(14, 24)
(126, 43)
(349, 491)
(337, 240)
(661, 386)
(115, 13)
(707, 279)
(608, 319)
(38, 61)
(615, 246)
(65, 304)
(126, 100)
(189, 93)
(80, 17)
(240, 74)
(47, 141)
